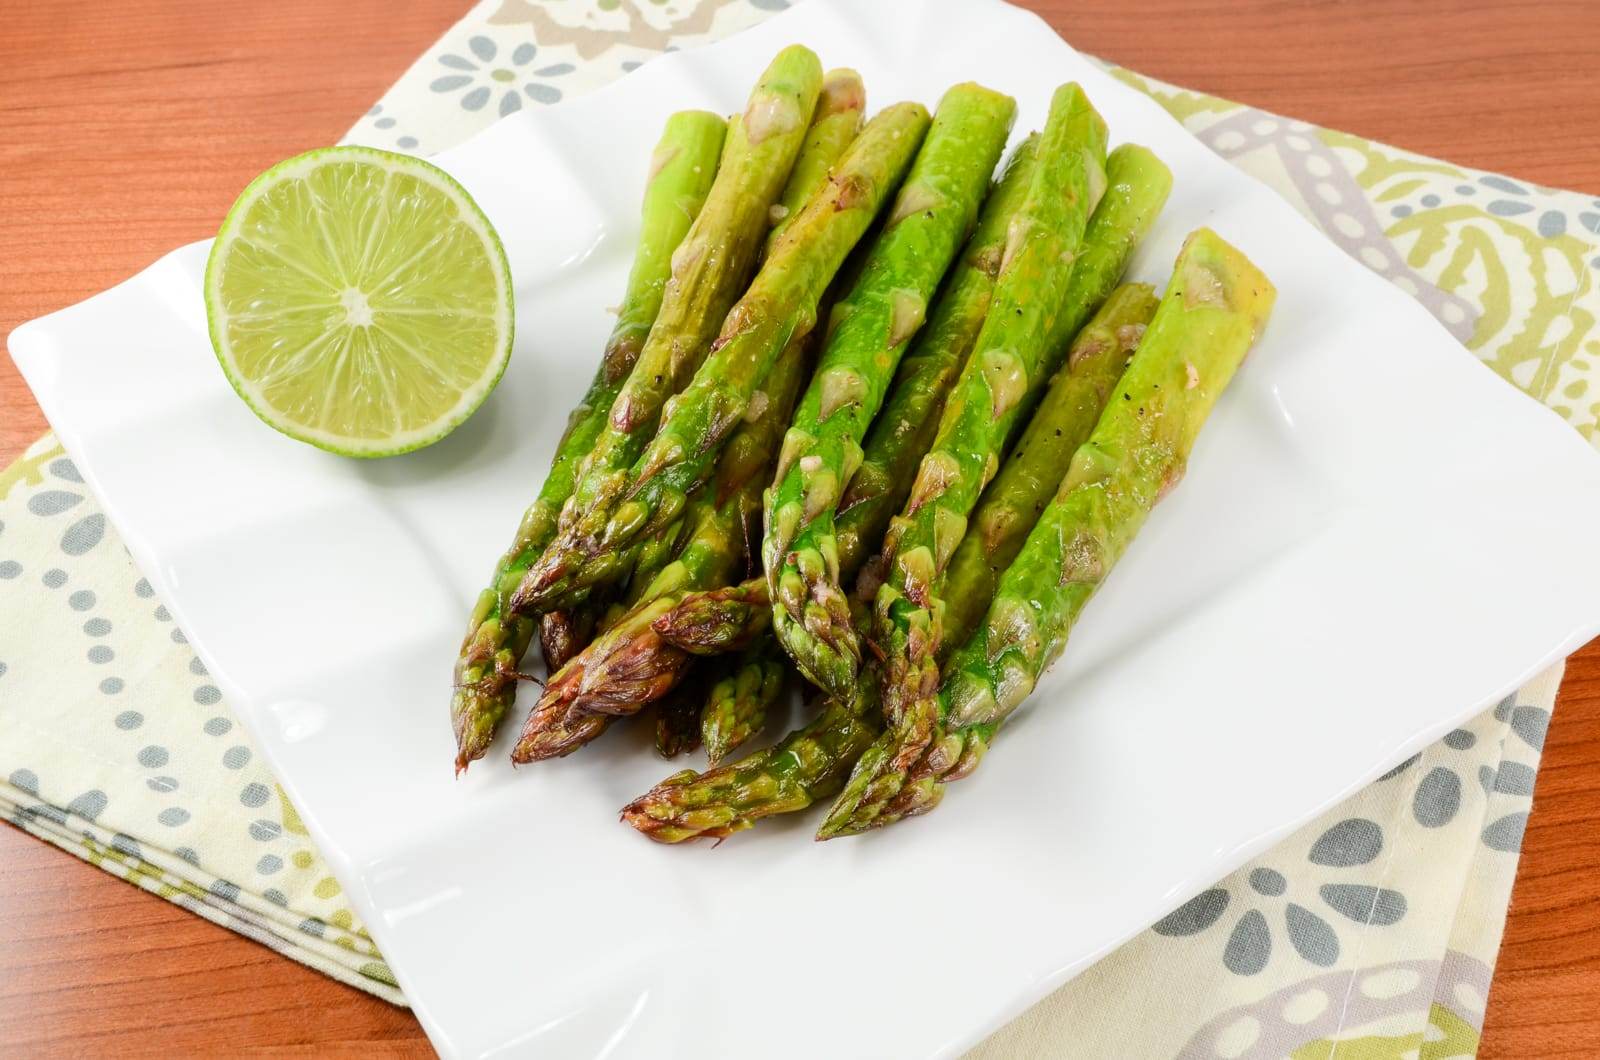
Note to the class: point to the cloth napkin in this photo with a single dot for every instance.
(1375, 925)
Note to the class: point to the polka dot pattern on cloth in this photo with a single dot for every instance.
(154, 752)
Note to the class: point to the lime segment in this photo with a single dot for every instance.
(360, 301)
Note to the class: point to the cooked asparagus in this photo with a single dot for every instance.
(906, 426)
(834, 126)
(1012, 357)
(809, 764)
(709, 270)
(715, 621)
(737, 705)
(870, 329)
(1033, 469)
(780, 305)
(1213, 309)
(614, 674)
(681, 171)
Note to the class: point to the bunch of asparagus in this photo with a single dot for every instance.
(868, 418)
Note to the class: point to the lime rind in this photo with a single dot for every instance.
(394, 442)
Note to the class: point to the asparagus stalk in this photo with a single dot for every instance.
(738, 702)
(562, 634)
(835, 124)
(613, 674)
(704, 621)
(1033, 469)
(1013, 355)
(713, 622)
(871, 328)
(709, 270)
(717, 621)
(648, 667)
(1013, 502)
(1215, 305)
(1137, 186)
(678, 713)
(780, 305)
(681, 171)
(809, 764)
(905, 427)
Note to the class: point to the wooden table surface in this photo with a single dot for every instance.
(129, 129)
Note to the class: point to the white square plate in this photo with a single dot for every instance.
(1376, 539)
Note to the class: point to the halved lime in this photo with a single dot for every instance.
(360, 301)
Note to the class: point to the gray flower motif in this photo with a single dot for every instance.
(484, 76)
(1438, 796)
(1350, 843)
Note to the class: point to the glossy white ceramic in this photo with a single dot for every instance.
(1376, 538)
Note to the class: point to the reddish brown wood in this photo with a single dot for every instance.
(128, 130)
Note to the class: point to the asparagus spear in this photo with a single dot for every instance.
(1215, 305)
(678, 713)
(562, 634)
(648, 667)
(1011, 358)
(835, 124)
(780, 305)
(681, 171)
(720, 620)
(767, 783)
(1137, 186)
(905, 428)
(1019, 493)
(738, 702)
(711, 622)
(809, 764)
(1033, 469)
(606, 677)
(871, 327)
(709, 269)
(717, 621)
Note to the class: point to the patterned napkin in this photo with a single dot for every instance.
(1375, 926)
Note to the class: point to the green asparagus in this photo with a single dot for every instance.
(562, 634)
(1214, 307)
(1012, 503)
(809, 764)
(704, 621)
(678, 712)
(614, 674)
(709, 270)
(833, 127)
(716, 621)
(1012, 357)
(835, 124)
(812, 762)
(681, 171)
(905, 427)
(870, 329)
(780, 304)
(737, 705)
(1033, 469)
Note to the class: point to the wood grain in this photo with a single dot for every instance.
(129, 129)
